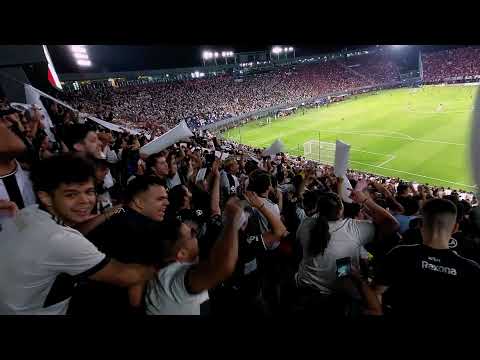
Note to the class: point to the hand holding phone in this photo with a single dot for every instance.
(344, 267)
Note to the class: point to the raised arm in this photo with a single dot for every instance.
(386, 223)
(383, 190)
(215, 189)
(223, 256)
(278, 231)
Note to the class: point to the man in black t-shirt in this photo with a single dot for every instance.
(126, 237)
(429, 279)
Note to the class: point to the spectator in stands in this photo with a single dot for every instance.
(42, 257)
(81, 139)
(173, 178)
(430, 279)
(328, 237)
(241, 294)
(15, 184)
(411, 208)
(125, 236)
(260, 183)
(157, 165)
(104, 200)
(182, 283)
(229, 182)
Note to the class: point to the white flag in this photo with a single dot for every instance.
(179, 132)
(275, 148)
(342, 155)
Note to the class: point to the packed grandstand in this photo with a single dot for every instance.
(209, 220)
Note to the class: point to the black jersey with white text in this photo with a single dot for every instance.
(428, 281)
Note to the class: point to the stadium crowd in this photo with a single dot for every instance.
(157, 107)
(460, 62)
(89, 225)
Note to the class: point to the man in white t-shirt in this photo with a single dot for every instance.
(42, 257)
(228, 180)
(182, 283)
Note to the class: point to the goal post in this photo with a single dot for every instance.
(321, 151)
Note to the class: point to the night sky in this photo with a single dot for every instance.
(112, 58)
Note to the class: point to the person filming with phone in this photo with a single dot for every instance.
(327, 237)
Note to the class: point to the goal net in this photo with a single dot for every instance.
(320, 151)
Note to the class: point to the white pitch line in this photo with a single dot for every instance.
(366, 134)
(387, 161)
(385, 132)
(370, 152)
(393, 137)
(409, 173)
(440, 142)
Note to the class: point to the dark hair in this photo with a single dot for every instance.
(259, 181)
(351, 210)
(297, 181)
(167, 245)
(152, 161)
(319, 237)
(68, 168)
(250, 166)
(410, 205)
(329, 205)
(437, 207)
(175, 198)
(401, 188)
(75, 134)
(310, 201)
(280, 173)
(171, 155)
(140, 184)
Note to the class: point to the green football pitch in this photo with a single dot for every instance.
(419, 134)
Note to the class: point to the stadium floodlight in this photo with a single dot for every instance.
(276, 50)
(80, 56)
(84, 62)
(285, 49)
(78, 49)
(290, 48)
(216, 54)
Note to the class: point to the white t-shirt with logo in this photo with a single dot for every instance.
(348, 236)
(225, 184)
(167, 294)
(39, 260)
